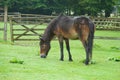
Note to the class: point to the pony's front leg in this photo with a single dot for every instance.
(61, 48)
(68, 49)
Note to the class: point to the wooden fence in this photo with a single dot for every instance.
(26, 28)
(10, 14)
(107, 23)
(3, 28)
(4, 31)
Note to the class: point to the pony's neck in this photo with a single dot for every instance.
(48, 35)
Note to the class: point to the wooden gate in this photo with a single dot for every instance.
(25, 28)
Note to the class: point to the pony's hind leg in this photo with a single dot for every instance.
(88, 49)
(85, 44)
(90, 45)
(68, 49)
(84, 35)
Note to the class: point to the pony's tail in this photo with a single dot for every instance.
(90, 38)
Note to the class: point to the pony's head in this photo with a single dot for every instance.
(44, 48)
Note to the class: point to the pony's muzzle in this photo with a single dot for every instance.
(43, 56)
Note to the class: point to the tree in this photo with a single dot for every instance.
(107, 5)
(4, 3)
(93, 7)
(90, 7)
(117, 5)
(78, 7)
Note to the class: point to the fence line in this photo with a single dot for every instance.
(107, 23)
(28, 26)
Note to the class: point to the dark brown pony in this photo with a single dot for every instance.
(66, 28)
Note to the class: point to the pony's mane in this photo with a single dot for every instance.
(51, 27)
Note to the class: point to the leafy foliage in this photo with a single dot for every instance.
(77, 7)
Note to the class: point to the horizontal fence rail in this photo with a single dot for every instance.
(30, 26)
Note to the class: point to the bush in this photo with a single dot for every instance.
(15, 60)
(116, 59)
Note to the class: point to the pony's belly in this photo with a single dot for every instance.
(71, 35)
(74, 36)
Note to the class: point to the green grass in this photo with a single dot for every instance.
(36, 68)
(107, 33)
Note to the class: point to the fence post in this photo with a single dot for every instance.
(11, 29)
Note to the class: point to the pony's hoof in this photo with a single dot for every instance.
(61, 60)
(86, 63)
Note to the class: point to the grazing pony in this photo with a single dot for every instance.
(66, 28)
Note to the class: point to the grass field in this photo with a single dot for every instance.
(35, 68)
